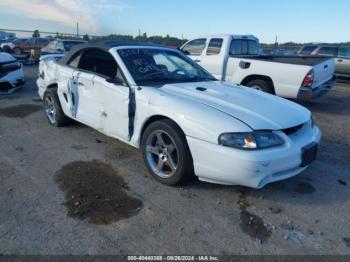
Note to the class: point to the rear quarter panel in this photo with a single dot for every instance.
(287, 78)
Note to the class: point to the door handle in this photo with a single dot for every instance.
(340, 60)
(197, 60)
(244, 64)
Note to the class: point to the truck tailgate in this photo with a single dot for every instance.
(323, 72)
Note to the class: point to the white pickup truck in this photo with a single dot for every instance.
(235, 58)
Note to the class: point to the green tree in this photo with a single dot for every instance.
(36, 33)
(86, 37)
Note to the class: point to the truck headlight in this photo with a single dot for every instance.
(251, 140)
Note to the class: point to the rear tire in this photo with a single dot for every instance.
(166, 153)
(53, 110)
(261, 85)
(17, 51)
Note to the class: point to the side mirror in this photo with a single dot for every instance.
(115, 81)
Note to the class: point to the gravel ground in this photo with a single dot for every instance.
(51, 201)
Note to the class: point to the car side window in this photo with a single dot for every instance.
(52, 45)
(307, 50)
(101, 63)
(328, 50)
(40, 41)
(31, 41)
(344, 52)
(59, 46)
(214, 47)
(244, 47)
(195, 47)
(74, 61)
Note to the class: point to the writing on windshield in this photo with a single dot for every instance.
(147, 65)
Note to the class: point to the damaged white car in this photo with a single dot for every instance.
(11, 74)
(183, 119)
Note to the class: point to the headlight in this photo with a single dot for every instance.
(250, 141)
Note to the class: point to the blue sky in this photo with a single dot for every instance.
(290, 20)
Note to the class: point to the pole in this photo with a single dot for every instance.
(276, 42)
(77, 29)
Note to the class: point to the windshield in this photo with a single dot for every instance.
(149, 65)
(68, 45)
(20, 41)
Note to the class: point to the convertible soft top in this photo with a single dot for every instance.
(104, 45)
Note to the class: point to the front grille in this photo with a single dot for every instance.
(292, 130)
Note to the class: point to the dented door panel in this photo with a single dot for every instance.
(114, 113)
(65, 76)
(89, 105)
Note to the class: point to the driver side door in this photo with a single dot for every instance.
(103, 96)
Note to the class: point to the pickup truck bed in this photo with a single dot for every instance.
(295, 60)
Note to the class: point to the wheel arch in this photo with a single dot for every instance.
(250, 78)
(153, 119)
(52, 85)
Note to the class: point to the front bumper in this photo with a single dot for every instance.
(12, 81)
(307, 93)
(229, 166)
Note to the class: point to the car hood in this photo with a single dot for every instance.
(260, 111)
(5, 57)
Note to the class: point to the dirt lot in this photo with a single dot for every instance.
(74, 191)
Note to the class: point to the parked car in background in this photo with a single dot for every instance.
(11, 73)
(278, 52)
(34, 43)
(267, 51)
(6, 37)
(59, 46)
(183, 120)
(236, 59)
(341, 55)
(8, 46)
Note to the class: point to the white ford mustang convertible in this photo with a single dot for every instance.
(184, 121)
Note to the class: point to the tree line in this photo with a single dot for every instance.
(167, 40)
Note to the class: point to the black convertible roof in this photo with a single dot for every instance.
(104, 45)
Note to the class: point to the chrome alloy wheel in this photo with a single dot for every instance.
(256, 87)
(50, 109)
(162, 154)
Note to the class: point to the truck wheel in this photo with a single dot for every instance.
(7, 49)
(53, 109)
(17, 51)
(166, 153)
(261, 85)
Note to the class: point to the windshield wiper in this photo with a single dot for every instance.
(199, 79)
(153, 74)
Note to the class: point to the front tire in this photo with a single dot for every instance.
(261, 85)
(7, 49)
(53, 110)
(166, 153)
